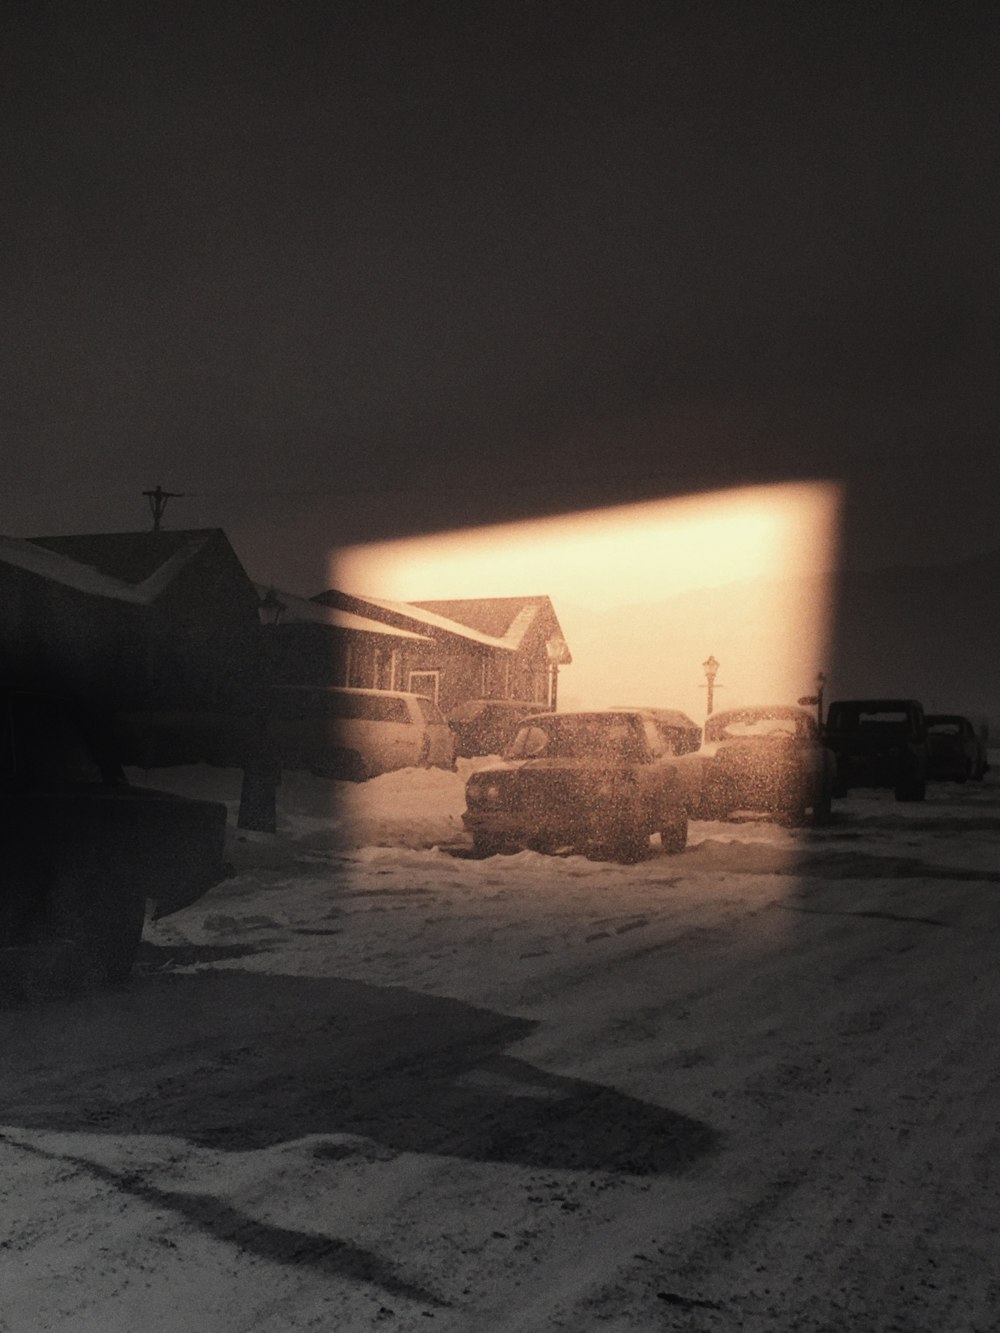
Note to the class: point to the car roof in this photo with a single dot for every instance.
(351, 689)
(589, 712)
(672, 716)
(760, 710)
(876, 703)
(473, 708)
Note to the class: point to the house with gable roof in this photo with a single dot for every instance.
(313, 644)
(198, 643)
(471, 648)
(66, 626)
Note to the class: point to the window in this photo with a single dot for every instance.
(425, 682)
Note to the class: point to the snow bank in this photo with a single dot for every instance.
(413, 807)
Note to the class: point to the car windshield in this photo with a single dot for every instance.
(756, 726)
(876, 719)
(944, 728)
(603, 739)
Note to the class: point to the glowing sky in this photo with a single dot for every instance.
(606, 571)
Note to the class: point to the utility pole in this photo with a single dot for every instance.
(158, 502)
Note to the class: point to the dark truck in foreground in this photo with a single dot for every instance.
(879, 743)
(83, 850)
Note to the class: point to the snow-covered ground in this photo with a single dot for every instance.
(367, 1083)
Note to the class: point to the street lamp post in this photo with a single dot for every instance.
(816, 698)
(557, 653)
(711, 667)
(261, 767)
(270, 608)
(820, 684)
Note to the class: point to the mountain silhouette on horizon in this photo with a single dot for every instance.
(928, 632)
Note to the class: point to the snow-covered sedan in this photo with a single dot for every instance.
(769, 759)
(593, 782)
(957, 752)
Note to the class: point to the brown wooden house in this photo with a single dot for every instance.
(471, 648)
(312, 644)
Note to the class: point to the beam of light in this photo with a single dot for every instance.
(646, 592)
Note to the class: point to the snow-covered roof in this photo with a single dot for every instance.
(133, 557)
(300, 610)
(162, 577)
(506, 619)
(413, 611)
(48, 564)
(145, 562)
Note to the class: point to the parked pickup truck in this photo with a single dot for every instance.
(879, 743)
(83, 850)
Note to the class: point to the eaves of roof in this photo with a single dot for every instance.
(69, 573)
(434, 621)
(300, 610)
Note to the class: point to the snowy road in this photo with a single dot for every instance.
(363, 1086)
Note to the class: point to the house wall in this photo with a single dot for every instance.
(57, 637)
(461, 669)
(204, 648)
(468, 670)
(306, 654)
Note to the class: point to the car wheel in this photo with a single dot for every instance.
(351, 767)
(123, 939)
(822, 809)
(712, 807)
(629, 846)
(913, 790)
(485, 844)
(674, 834)
(795, 817)
(102, 916)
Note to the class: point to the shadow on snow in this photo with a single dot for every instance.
(239, 1060)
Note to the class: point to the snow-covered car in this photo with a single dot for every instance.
(769, 759)
(355, 734)
(879, 743)
(586, 781)
(83, 849)
(487, 726)
(679, 732)
(957, 751)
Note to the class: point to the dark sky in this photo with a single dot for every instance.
(495, 258)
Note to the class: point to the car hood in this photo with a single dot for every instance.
(754, 750)
(549, 766)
